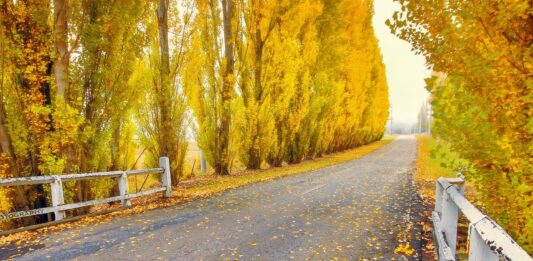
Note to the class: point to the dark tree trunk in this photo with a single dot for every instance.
(222, 163)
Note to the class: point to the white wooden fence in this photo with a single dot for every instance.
(56, 189)
(487, 241)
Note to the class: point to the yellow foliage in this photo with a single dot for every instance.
(404, 249)
(481, 95)
(270, 82)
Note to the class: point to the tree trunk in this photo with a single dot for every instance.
(222, 166)
(61, 60)
(164, 73)
(6, 146)
(254, 157)
(167, 138)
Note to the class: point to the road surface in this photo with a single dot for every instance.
(357, 210)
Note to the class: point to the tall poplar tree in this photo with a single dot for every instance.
(210, 79)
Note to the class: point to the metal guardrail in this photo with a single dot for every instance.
(487, 241)
(56, 189)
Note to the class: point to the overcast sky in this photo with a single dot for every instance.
(405, 70)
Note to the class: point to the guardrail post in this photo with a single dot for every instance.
(166, 181)
(438, 198)
(450, 217)
(56, 189)
(478, 249)
(123, 189)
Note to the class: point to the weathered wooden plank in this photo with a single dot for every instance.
(443, 250)
(477, 249)
(145, 171)
(40, 211)
(26, 213)
(470, 211)
(26, 181)
(146, 192)
(82, 176)
(108, 200)
(34, 180)
(499, 242)
(52, 223)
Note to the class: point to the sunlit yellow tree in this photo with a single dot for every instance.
(295, 54)
(350, 102)
(162, 120)
(210, 79)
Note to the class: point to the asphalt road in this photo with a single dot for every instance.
(358, 210)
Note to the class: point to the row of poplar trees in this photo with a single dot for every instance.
(88, 85)
(483, 106)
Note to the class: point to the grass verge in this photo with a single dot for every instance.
(433, 163)
(429, 169)
(196, 188)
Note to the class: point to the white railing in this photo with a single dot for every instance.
(56, 189)
(487, 241)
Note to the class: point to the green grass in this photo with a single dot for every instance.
(435, 160)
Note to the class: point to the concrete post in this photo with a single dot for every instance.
(478, 249)
(450, 217)
(438, 198)
(56, 189)
(203, 165)
(166, 180)
(123, 188)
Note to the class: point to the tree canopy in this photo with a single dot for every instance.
(90, 86)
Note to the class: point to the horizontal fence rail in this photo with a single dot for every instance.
(487, 241)
(56, 189)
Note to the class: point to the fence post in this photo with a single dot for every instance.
(450, 217)
(123, 189)
(203, 165)
(438, 198)
(477, 248)
(165, 178)
(56, 189)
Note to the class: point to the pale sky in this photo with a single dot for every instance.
(405, 70)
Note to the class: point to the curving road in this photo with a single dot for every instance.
(357, 210)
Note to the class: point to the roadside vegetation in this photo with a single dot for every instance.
(481, 93)
(202, 186)
(435, 160)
